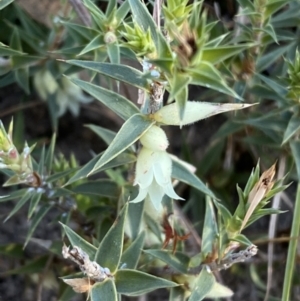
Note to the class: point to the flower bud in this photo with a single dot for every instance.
(110, 37)
(155, 139)
(194, 111)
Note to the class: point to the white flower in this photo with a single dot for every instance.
(153, 175)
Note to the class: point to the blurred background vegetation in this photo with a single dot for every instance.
(36, 35)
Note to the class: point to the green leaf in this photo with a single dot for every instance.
(203, 285)
(135, 217)
(276, 87)
(4, 3)
(114, 101)
(104, 291)
(41, 164)
(219, 54)
(292, 128)
(183, 174)
(60, 175)
(26, 197)
(142, 16)
(14, 195)
(219, 291)
(87, 169)
(242, 239)
(22, 78)
(86, 33)
(132, 254)
(20, 61)
(106, 135)
(179, 261)
(247, 4)
(295, 147)
(36, 220)
(50, 154)
(209, 232)
(112, 241)
(135, 283)
(273, 6)
(122, 11)
(95, 43)
(34, 202)
(129, 133)
(78, 241)
(12, 250)
(177, 294)
(179, 85)
(122, 73)
(268, 59)
(208, 76)
(103, 187)
(225, 213)
(8, 51)
(37, 265)
(113, 51)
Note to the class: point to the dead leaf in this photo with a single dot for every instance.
(259, 191)
(80, 285)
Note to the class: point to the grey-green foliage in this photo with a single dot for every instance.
(255, 62)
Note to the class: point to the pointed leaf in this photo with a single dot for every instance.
(14, 195)
(122, 73)
(103, 187)
(26, 197)
(292, 128)
(22, 78)
(95, 43)
(8, 51)
(4, 3)
(135, 283)
(295, 147)
(179, 261)
(34, 202)
(219, 291)
(179, 91)
(142, 16)
(106, 135)
(273, 6)
(35, 221)
(78, 241)
(268, 59)
(209, 232)
(87, 33)
(113, 51)
(135, 217)
(131, 256)
(60, 175)
(208, 76)
(203, 286)
(87, 169)
(104, 291)
(114, 101)
(129, 133)
(177, 294)
(50, 154)
(219, 54)
(181, 173)
(112, 241)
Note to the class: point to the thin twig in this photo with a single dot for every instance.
(272, 228)
(82, 12)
